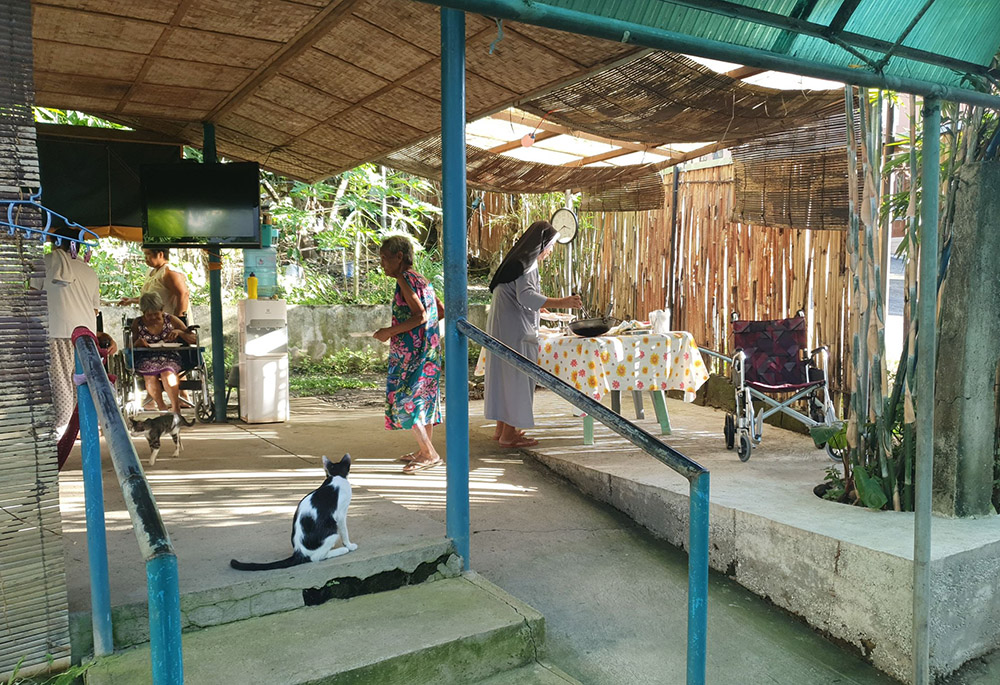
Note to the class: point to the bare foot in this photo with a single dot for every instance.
(496, 435)
(521, 440)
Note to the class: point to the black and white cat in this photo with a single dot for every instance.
(320, 522)
(155, 427)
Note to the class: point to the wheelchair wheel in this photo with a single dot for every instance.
(205, 411)
(730, 431)
(743, 451)
(837, 454)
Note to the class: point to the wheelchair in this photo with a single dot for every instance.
(130, 386)
(770, 359)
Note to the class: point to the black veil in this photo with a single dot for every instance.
(525, 252)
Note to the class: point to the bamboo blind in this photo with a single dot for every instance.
(33, 605)
(796, 178)
(663, 97)
(710, 267)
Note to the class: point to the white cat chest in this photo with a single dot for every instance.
(263, 359)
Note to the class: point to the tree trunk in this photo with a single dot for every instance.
(965, 413)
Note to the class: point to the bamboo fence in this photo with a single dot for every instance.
(701, 269)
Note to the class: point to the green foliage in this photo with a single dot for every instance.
(338, 212)
(835, 481)
(120, 268)
(869, 488)
(342, 362)
(320, 226)
(67, 677)
(835, 434)
(345, 369)
(313, 385)
(70, 117)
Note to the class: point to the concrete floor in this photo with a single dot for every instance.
(614, 598)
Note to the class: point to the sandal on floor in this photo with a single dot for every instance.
(414, 466)
(522, 441)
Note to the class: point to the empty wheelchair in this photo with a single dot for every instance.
(771, 359)
(129, 385)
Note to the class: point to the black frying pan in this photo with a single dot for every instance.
(590, 328)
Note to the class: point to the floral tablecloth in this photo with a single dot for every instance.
(645, 362)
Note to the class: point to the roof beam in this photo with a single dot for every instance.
(902, 36)
(744, 72)
(93, 133)
(604, 156)
(147, 62)
(303, 40)
(843, 15)
(532, 120)
(514, 144)
(808, 28)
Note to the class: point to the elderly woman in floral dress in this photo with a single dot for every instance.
(414, 354)
(159, 368)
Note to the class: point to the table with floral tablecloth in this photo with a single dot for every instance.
(639, 362)
(636, 363)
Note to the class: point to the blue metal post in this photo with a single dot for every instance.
(926, 360)
(697, 578)
(97, 542)
(209, 156)
(164, 620)
(456, 345)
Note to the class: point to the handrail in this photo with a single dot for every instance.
(99, 406)
(616, 422)
(697, 475)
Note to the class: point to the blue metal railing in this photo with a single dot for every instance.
(98, 407)
(697, 475)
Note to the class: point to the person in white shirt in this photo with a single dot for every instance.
(168, 283)
(73, 295)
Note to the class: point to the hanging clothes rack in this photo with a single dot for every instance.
(33, 203)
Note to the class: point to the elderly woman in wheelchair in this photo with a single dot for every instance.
(159, 331)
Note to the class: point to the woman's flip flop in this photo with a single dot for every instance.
(406, 458)
(414, 466)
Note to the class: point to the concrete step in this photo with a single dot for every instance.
(239, 595)
(456, 630)
(539, 673)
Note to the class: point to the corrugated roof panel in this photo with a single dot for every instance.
(968, 30)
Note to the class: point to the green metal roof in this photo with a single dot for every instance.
(966, 31)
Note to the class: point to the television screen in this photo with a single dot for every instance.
(201, 205)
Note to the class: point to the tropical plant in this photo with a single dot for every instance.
(880, 470)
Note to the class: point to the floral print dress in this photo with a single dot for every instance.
(156, 362)
(411, 389)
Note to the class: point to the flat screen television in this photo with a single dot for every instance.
(201, 205)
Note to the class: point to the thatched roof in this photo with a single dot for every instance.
(305, 87)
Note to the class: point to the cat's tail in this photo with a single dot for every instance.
(293, 560)
(185, 421)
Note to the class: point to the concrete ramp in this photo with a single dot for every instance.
(456, 630)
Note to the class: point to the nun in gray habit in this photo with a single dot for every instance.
(513, 320)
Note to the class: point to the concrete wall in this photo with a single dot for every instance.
(316, 331)
(853, 592)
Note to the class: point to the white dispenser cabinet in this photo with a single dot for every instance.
(263, 344)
